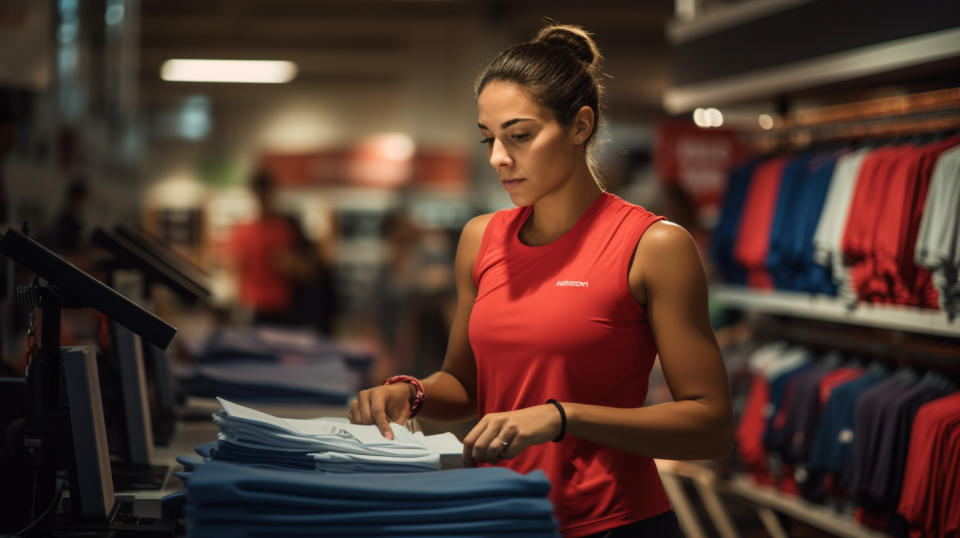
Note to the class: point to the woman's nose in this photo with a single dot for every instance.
(499, 156)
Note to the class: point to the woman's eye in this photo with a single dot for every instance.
(520, 137)
(486, 140)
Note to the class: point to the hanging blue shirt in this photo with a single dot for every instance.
(725, 233)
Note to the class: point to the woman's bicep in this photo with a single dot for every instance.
(675, 290)
(459, 361)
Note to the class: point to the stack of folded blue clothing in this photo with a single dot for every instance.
(225, 499)
(272, 364)
(326, 444)
(267, 343)
(327, 382)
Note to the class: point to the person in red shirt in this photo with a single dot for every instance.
(265, 258)
(563, 303)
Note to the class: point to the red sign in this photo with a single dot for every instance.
(697, 159)
(373, 163)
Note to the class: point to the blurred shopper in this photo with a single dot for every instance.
(315, 302)
(413, 293)
(267, 260)
(563, 304)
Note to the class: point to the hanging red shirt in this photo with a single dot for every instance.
(753, 236)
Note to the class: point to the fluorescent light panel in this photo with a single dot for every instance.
(252, 71)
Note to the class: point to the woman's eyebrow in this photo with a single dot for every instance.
(505, 124)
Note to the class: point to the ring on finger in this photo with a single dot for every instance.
(504, 447)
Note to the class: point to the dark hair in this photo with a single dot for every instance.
(262, 181)
(560, 67)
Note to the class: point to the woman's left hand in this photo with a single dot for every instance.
(504, 435)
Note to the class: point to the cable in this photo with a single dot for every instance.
(56, 499)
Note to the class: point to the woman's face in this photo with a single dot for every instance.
(531, 152)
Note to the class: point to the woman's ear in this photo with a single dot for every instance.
(583, 124)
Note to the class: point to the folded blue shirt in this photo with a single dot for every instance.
(508, 508)
(493, 527)
(226, 499)
(220, 481)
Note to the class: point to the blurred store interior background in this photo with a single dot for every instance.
(372, 142)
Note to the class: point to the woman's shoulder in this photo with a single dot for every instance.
(477, 226)
(667, 244)
(664, 234)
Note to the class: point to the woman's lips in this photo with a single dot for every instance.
(511, 182)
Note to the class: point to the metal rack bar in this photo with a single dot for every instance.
(803, 305)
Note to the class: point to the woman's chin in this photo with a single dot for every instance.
(520, 200)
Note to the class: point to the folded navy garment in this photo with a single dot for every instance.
(320, 381)
(218, 481)
(279, 503)
(183, 476)
(172, 505)
(266, 343)
(491, 527)
(228, 499)
(509, 508)
(206, 449)
(227, 451)
(189, 462)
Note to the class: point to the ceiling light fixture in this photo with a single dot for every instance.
(249, 71)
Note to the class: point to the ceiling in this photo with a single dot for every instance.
(386, 42)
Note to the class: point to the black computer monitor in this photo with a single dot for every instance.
(150, 269)
(162, 251)
(47, 432)
(128, 254)
(85, 289)
(91, 455)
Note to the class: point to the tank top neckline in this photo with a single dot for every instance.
(564, 238)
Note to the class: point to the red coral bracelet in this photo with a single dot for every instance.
(417, 401)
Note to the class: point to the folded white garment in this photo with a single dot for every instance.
(333, 441)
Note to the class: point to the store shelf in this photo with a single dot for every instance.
(797, 508)
(765, 499)
(902, 318)
(820, 71)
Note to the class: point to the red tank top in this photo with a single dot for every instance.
(559, 321)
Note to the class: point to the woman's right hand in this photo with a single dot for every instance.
(382, 405)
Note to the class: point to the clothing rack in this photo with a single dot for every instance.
(887, 107)
(890, 347)
(888, 117)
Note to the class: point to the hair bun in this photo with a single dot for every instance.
(574, 38)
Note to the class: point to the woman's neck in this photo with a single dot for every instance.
(557, 212)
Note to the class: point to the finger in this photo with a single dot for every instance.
(377, 407)
(354, 414)
(504, 448)
(488, 447)
(363, 404)
(469, 441)
(509, 443)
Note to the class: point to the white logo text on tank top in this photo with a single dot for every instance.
(572, 284)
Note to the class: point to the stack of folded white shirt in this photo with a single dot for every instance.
(327, 444)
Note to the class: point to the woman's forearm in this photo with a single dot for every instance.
(446, 400)
(685, 429)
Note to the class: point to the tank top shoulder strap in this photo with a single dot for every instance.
(633, 221)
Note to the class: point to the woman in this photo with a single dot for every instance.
(563, 304)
